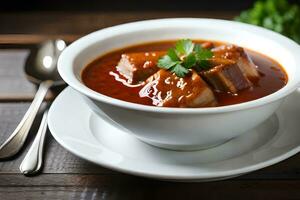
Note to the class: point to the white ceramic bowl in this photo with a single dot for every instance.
(181, 128)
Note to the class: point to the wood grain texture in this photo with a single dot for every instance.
(118, 187)
(25, 39)
(58, 160)
(14, 84)
(79, 23)
(66, 176)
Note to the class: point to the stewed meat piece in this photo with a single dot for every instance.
(226, 76)
(137, 67)
(166, 89)
(241, 58)
(207, 45)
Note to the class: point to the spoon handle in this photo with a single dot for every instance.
(32, 162)
(16, 140)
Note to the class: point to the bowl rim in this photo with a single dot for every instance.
(65, 66)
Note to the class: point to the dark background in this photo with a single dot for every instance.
(94, 5)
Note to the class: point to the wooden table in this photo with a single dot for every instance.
(66, 176)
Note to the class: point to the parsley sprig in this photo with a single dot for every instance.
(278, 15)
(184, 56)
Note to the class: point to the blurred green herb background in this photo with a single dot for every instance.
(276, 15)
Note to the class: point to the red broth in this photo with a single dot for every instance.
(98, 76)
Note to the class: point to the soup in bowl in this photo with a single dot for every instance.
(183, 84)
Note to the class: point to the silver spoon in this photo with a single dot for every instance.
(40, 68)
(33, 160)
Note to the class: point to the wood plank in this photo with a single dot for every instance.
(25, 39)
(57, 161)
(14, 85)
(60, 161)
(94, 180)
(79, 23)
(36, 27)
(130, 188)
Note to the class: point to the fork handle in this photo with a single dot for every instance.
(33, 160)
(17, 139)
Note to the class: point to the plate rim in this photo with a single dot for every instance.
(215, 175)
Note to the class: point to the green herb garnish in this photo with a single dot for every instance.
(184, 56)
(277, 15)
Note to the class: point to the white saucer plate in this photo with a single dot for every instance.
(88, 136)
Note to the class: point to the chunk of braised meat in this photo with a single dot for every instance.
(165, 89)
(226, 77)
(241, 58)
(207, 45)
(137, 67)
(215, 61)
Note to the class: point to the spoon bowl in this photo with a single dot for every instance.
(40, 68)
(41, 63)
